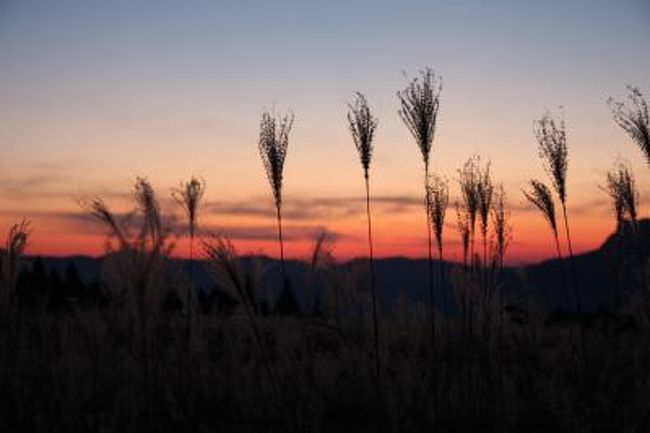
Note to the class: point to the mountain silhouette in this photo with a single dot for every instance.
(604, 276)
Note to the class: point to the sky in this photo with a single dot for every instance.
(94, 94)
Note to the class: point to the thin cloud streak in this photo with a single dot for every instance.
(306, 209)
(269, 232)
(82, 223)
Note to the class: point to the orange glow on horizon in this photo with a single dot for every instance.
(403, 236)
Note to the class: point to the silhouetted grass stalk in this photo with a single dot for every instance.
(362, 126)
(438, 193)
(15, 246)
(551, 137)
(468, 179)
(273, 144)
(463, 227)
(621, 187)
(501, 226)
(420, 102)
(540, 196)
(633, 118)
(502, 232)
(223, 265)
(484, 193)
(10, 313)
(188, 195)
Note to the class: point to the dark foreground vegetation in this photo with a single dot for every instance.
(141, 349)
(130, 366)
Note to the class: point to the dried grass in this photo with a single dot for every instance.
(632, 117)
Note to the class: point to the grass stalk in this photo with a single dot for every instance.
(362, 126)
(420, 102)
(273, 144)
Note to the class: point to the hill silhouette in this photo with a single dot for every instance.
(605, 275)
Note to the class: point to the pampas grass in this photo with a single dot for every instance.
(540, 195)
(362, 126)
(273, 144)
(438, 199)
(469, 178)
(15, 246)
(632, 117)
(419, 104)
(484, 193)
(551, 138)
(100, 211)
(502, 230)
(464, 229)
(438, 192)
(621, 187)
(224, 267)
(147, 203)
(138, 260)
(188, 195)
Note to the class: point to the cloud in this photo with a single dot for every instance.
(82, 223)
(65, 222)
(49, 186)
(270, 232)
(314, 208)
(300, 209)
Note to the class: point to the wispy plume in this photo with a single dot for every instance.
(189, 195)
(100, 211)
(632, 117)
(438, 192)
(438, 200)
(420, 102)
(362, 127)
(502, 229)
(15, 246)
(149, 207)
(621, 187)
(463, 227)
(273, 144)
(551, 138)
(484, 193)
(469, 178)
(540, 195)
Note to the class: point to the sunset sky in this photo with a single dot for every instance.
(95, 93)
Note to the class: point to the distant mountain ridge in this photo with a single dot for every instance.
(603, 276)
